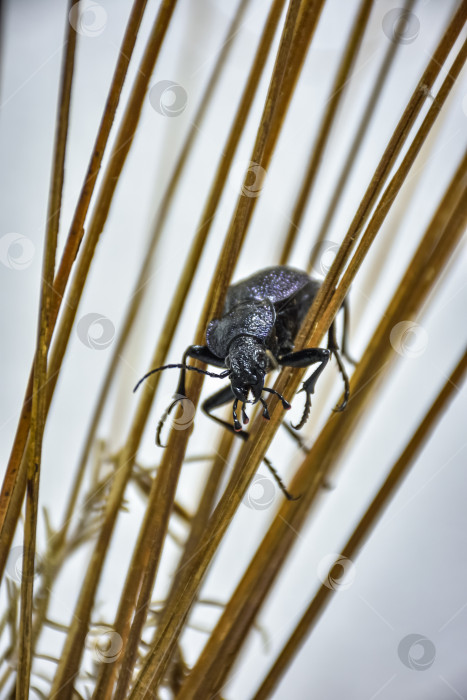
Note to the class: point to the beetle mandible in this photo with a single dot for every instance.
(256, 334)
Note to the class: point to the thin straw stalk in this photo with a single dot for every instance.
(201, 517)
(366, 525)
(132, 584)
(12, 495)
(57, 544)
(71, 656)
(109, 671)
(197, 526)
(396, 183)
(378, 87)
(38, 415)
(392, 151)
(337, 92)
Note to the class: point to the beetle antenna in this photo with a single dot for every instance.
(181, 366)
(285, 403)
(164, 418)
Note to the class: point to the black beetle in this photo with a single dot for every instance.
(255, 335)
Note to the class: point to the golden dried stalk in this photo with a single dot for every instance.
(39, 411)
(393, 149)
(70, 659)
(14, 483)
(373, 99)
(337, 92)
(364, 529)
(395, 185)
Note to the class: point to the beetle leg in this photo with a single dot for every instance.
(225, 396)
(285, 404)
(305, 358)
(293, 434)
(305, 414)
(279, 481)
(237, 425)
(334, 348)
(265, 412)
(220, 398)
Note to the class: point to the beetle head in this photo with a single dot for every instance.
(248, 362)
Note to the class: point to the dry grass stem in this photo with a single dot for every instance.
(337, 92)
(38, 413)
(395, 185)
(69, 662)
(378, 87)
(11, 496)
(366, 525)
(392, 151)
